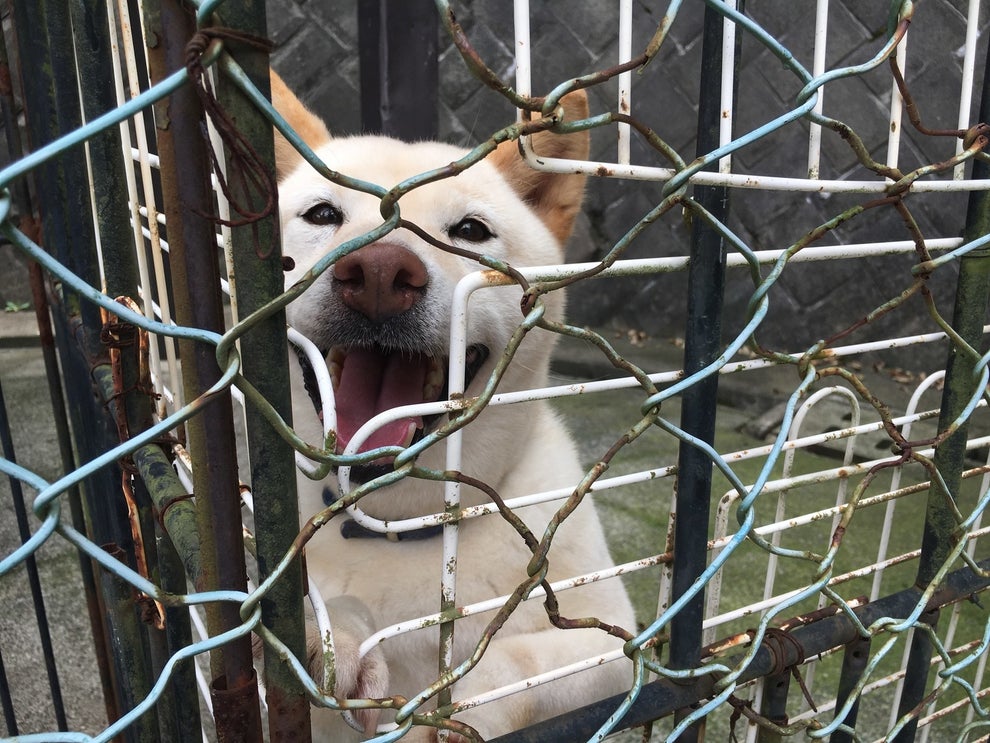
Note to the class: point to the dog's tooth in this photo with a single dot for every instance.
(336, 365)
(433, 382)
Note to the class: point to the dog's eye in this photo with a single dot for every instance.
(471, 230)
(323, 214)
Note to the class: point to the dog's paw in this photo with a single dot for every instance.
(354, 677)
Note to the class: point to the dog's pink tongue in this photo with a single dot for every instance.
(371, 382)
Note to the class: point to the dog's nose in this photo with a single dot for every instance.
(380, 280)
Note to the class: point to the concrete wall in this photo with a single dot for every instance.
(315, 52)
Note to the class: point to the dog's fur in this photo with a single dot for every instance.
(516, 449)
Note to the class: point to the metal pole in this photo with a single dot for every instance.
(127, 643)
(257, 258)
(397, 47)
(131, 405)
(196, 287)
(178, 707)
(854, 660)
(34, 580)
(6, 701)
(969, 313)
(158, 486)
(67, 457)
(774, 706)
(178, 557)
(52, 103)
(702, 345)
(89, 17)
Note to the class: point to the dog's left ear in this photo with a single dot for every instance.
(307, 125)
(555, 197)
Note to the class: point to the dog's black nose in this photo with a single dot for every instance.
(381, 280)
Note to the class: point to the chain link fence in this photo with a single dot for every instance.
(805, 563)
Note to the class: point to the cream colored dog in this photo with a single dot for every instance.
(382, 315)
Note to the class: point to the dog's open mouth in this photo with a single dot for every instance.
(368, 381)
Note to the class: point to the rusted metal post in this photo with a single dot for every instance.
(128, 651)
(257, 259)
(196, 288)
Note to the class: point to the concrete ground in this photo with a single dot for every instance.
(748, 407)
(25, 391)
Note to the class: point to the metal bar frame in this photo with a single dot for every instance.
(702, 345)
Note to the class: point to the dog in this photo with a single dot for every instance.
(381, 315)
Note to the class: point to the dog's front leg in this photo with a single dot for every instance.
(354, 677)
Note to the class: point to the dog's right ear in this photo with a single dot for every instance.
(308, 126)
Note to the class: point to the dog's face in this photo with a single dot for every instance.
(382, 313)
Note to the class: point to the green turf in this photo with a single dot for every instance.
(636, 519)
